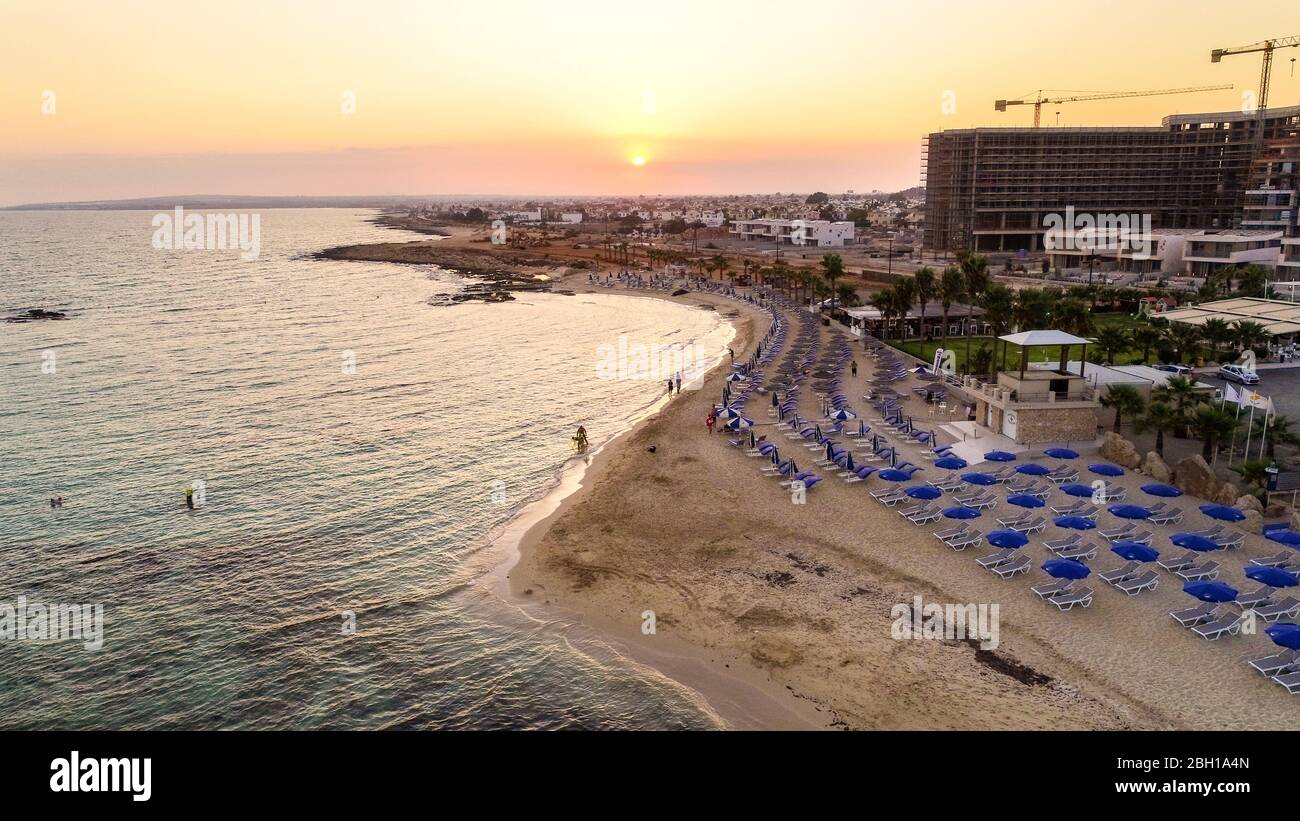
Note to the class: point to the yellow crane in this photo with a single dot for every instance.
(1266, 70)
(1038, 99)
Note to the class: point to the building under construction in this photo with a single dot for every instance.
(990, 189)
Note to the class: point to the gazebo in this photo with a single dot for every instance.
(1044, 339)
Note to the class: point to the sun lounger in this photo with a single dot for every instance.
(1175, 563)
(1140, 537)
(1031, 525)
(1230, 541)
(1052, 588)
(1013, 518)
(1115, 534)
(1014, 486)
(1127, 571)
(1082, 552)
(1114, 492)
(949, 533)
(1015, 567)
(1166, 516)
(979, 501)
(1258, 597)
(922, 515)
(1195, 615)
(1287, 608)
(1074, 508)
(1077, 597)
(1229, 625)
(1146, 580)
(1281, 559)
(994, 559)
(1004, 475)
(1199, 572)
(1291, 681)
(1209, 532)
(1277, 663)
(1062, 475)
(969, 539)
(886, 492)
(1073, 540)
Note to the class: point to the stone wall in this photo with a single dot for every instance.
(1056, 425)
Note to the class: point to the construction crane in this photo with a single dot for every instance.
(1039, 100)
(1266, 70)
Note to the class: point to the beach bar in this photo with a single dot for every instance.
(1036, 405)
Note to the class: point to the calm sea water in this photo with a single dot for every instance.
(326, 491)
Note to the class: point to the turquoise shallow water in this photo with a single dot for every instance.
(325, 491)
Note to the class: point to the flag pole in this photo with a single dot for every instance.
(1232, 441)
(1245, 452)
(1263, 437)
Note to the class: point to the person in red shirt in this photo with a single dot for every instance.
(710, 421)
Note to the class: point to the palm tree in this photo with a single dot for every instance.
(975, 267)
(1033, 308)
(847, 295)
(1252, 281)
(832, 268)
(923, 284)
(1073, 315)
(1112, 339)
(1160, 417)
(1212, 425)
(1184, 340)
(883, 301)
(1278, 433)
(1181, 393)
(1125, 401)
(721, 265)
(1254, 475)
(904, 292)
(952, 288)
(999, 305)
(1216, 332)
(1249, 335)
(1146, 337)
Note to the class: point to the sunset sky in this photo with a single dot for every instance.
(156, 98)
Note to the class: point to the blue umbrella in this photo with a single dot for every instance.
(1082, 491)
(1062, 453)
(1135, 551)
(978, 479)
(894, 475)
(1193, 541)
(848, 463)
(740, 423)
(926, 492)
(1021, 500)
(1032, 469)
(1284, 635)
(1075, 522)
(1007, 538)
(729, 413)
(961, 513)
(1000, 456)
(1167, 491)
(1130, 511)
(1105, 469)
(1223, 513)
(950, 463)
(843, 415)
(1210, 591)
(1066, 569)
(1271, 576)
(1286, 537)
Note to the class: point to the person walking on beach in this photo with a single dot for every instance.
(581, 439)
(679, 383)
(670, 386)
(733, 355)
(855, 368)
(710, 421)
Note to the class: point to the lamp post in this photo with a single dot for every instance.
(891, 253)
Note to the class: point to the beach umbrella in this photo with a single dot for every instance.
(1106, 469)
(1167, 491)
(1135, 551)
(1223, 513)
(960, 512)
(830, 451)
(736, 377)
(978, 479)
(927, 492)
(1061, 453)
(1032, 469)
(1074, 522)
(950, 463)
(848, 462)
(894, 475)
(1210, 591)
(843, 415)
(1007, 539)
(729, 413)
(1284, 635)
(1000, 456)
(1066, 569)
(740, 423)
(1271, 576)
(1082, 491)
(1022, 500)
(1193, 541)
(1130, 511)
(1286, 537)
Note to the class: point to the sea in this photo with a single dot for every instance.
(350, 448)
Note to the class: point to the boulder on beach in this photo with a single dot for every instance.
(1156, 468)
(1117, 449)
(1228, 494)
(1195, 478)
(1248, 502)
(1295, 520)
(1253, 523)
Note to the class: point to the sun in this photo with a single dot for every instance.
(638, 160)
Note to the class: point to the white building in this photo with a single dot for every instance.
(811, 233)
(571, 217)
(1210, 251)
(713, 219)
(524, 216)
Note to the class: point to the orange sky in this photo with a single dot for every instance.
(153, 98)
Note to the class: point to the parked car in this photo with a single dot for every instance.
(1236, 373)
(1181, 370)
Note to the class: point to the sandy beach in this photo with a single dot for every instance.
(779, 614)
